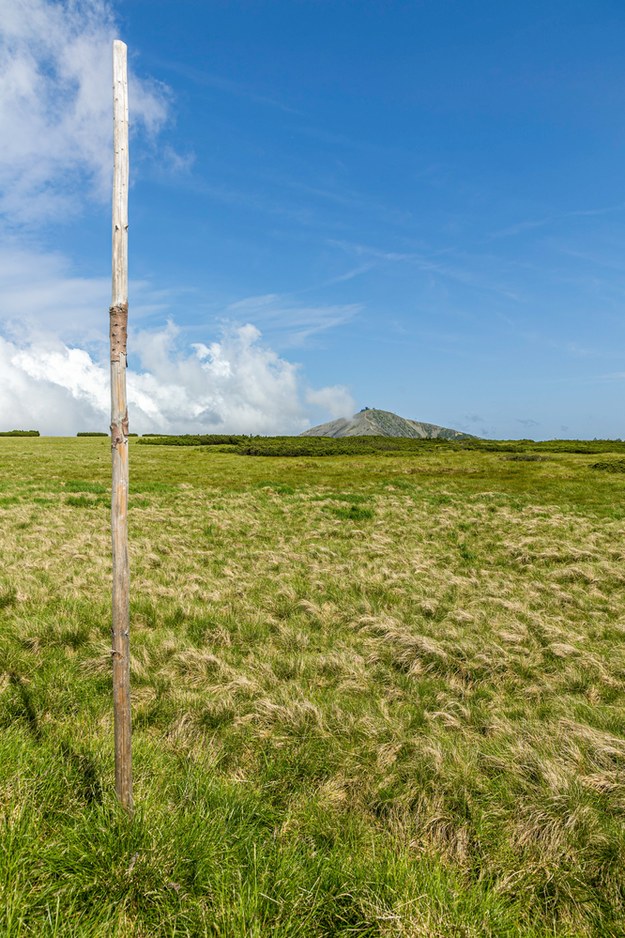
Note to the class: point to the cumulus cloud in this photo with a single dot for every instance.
(336, 400)
(235, 384)
(55, 105)
(54, 372)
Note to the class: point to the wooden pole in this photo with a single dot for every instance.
(119, 435)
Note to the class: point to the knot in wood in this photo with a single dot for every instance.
(119, 331)
(119, 433)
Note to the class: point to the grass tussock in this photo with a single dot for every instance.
(367, 700)
(609, 465)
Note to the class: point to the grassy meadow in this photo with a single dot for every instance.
(373, 695)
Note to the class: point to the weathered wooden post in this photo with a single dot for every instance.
(119, 435)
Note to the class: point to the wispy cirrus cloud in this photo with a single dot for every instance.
(446, 263)
(228, 86)
(348, 275)
(554, 218)
(291, 322)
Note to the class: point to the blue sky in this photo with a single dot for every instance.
(418, 206)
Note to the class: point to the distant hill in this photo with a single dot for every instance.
(373, 422)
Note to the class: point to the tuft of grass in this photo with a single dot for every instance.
(8, 597)
(353, 513)
(280, 488)
(83, 501)
(609, 465)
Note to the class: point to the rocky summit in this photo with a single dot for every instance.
(373, 422)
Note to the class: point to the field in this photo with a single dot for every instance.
(373, 695)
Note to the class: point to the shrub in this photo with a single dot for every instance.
(98, 433)
(610, 465)
(190, 439)
(341, 446)
(523, 450)
(19, 433)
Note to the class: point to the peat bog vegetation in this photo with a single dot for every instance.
(373, 695)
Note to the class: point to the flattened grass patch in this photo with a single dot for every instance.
(351, 497)
(280, 488)
(355, 510)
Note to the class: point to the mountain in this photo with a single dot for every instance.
(372, 422)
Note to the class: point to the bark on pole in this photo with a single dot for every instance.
(119, 435)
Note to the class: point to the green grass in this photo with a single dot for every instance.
(373, 696)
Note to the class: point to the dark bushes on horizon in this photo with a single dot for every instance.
(98, 433)
(20, 433)
(340, 446)
(191, 439)
(524, 450)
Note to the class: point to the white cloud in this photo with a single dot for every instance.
(55, 105)
(41, 294)
(234, 385)
(336, 400)
(54, 373)
(49, 387)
